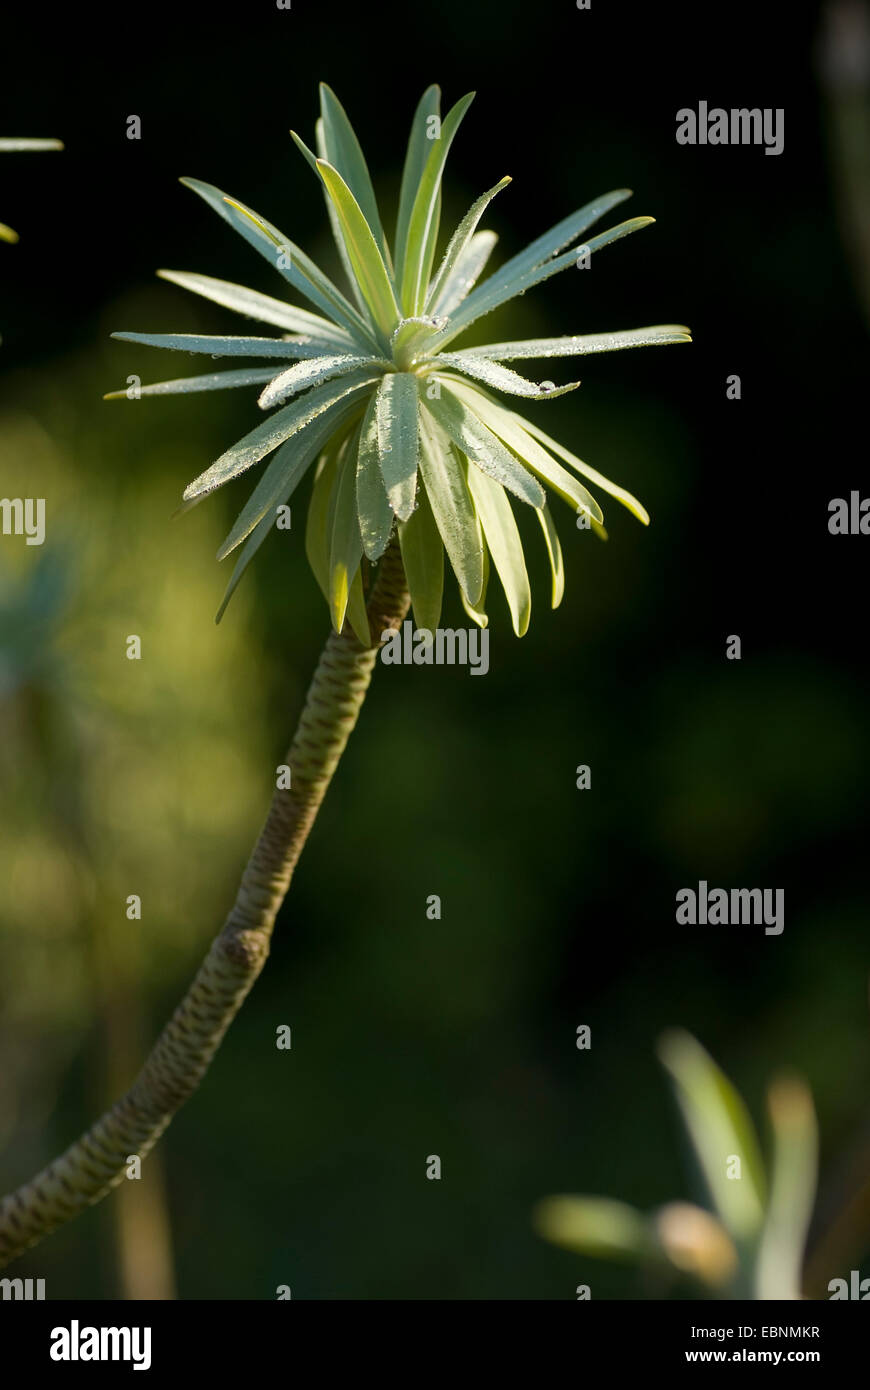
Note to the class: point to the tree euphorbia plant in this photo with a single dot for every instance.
(414, 457)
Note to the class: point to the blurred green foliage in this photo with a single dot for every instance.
(749, 1241)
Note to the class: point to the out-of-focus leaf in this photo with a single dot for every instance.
(16, 145)
(792, 1190)
(595, 1226)
(721, 1131)
(696, 1243)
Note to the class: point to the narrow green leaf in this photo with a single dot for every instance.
(719, 1127)
(319, 286)
(447, 488)
(317, 533)
(184, 507)
(476, 611)
(344, 153)
(16, 145)
(345, 545)
(272, 432)
(459, 418)
(259, 306)
(215, 346)
(303, 375)
(214, 381)
(356, 609)
(465, 274)
(503, 541)
(423, 560)
(249, 550)
(554, 550)
(280, 252)
(792, 1190)
(596, 1226)
(415, 162)
(556, 238)
(334, 224)
(510, 429)
(580, 344)
(283, 473)
(252, 545)
(398, 439)
(284, 256)
(626, 498)
(501, 378)
(375, 512)
(431, 245)
(312, 158)
(490, 296)
(362, 249)
(419, 255)
(459, 242)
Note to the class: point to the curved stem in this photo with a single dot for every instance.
(97, 1162)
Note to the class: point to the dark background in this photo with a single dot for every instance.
(412, 1037)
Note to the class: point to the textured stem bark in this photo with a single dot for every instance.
(96, 1162)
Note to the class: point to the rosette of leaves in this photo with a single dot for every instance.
(406, 430)
(749, 1241)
